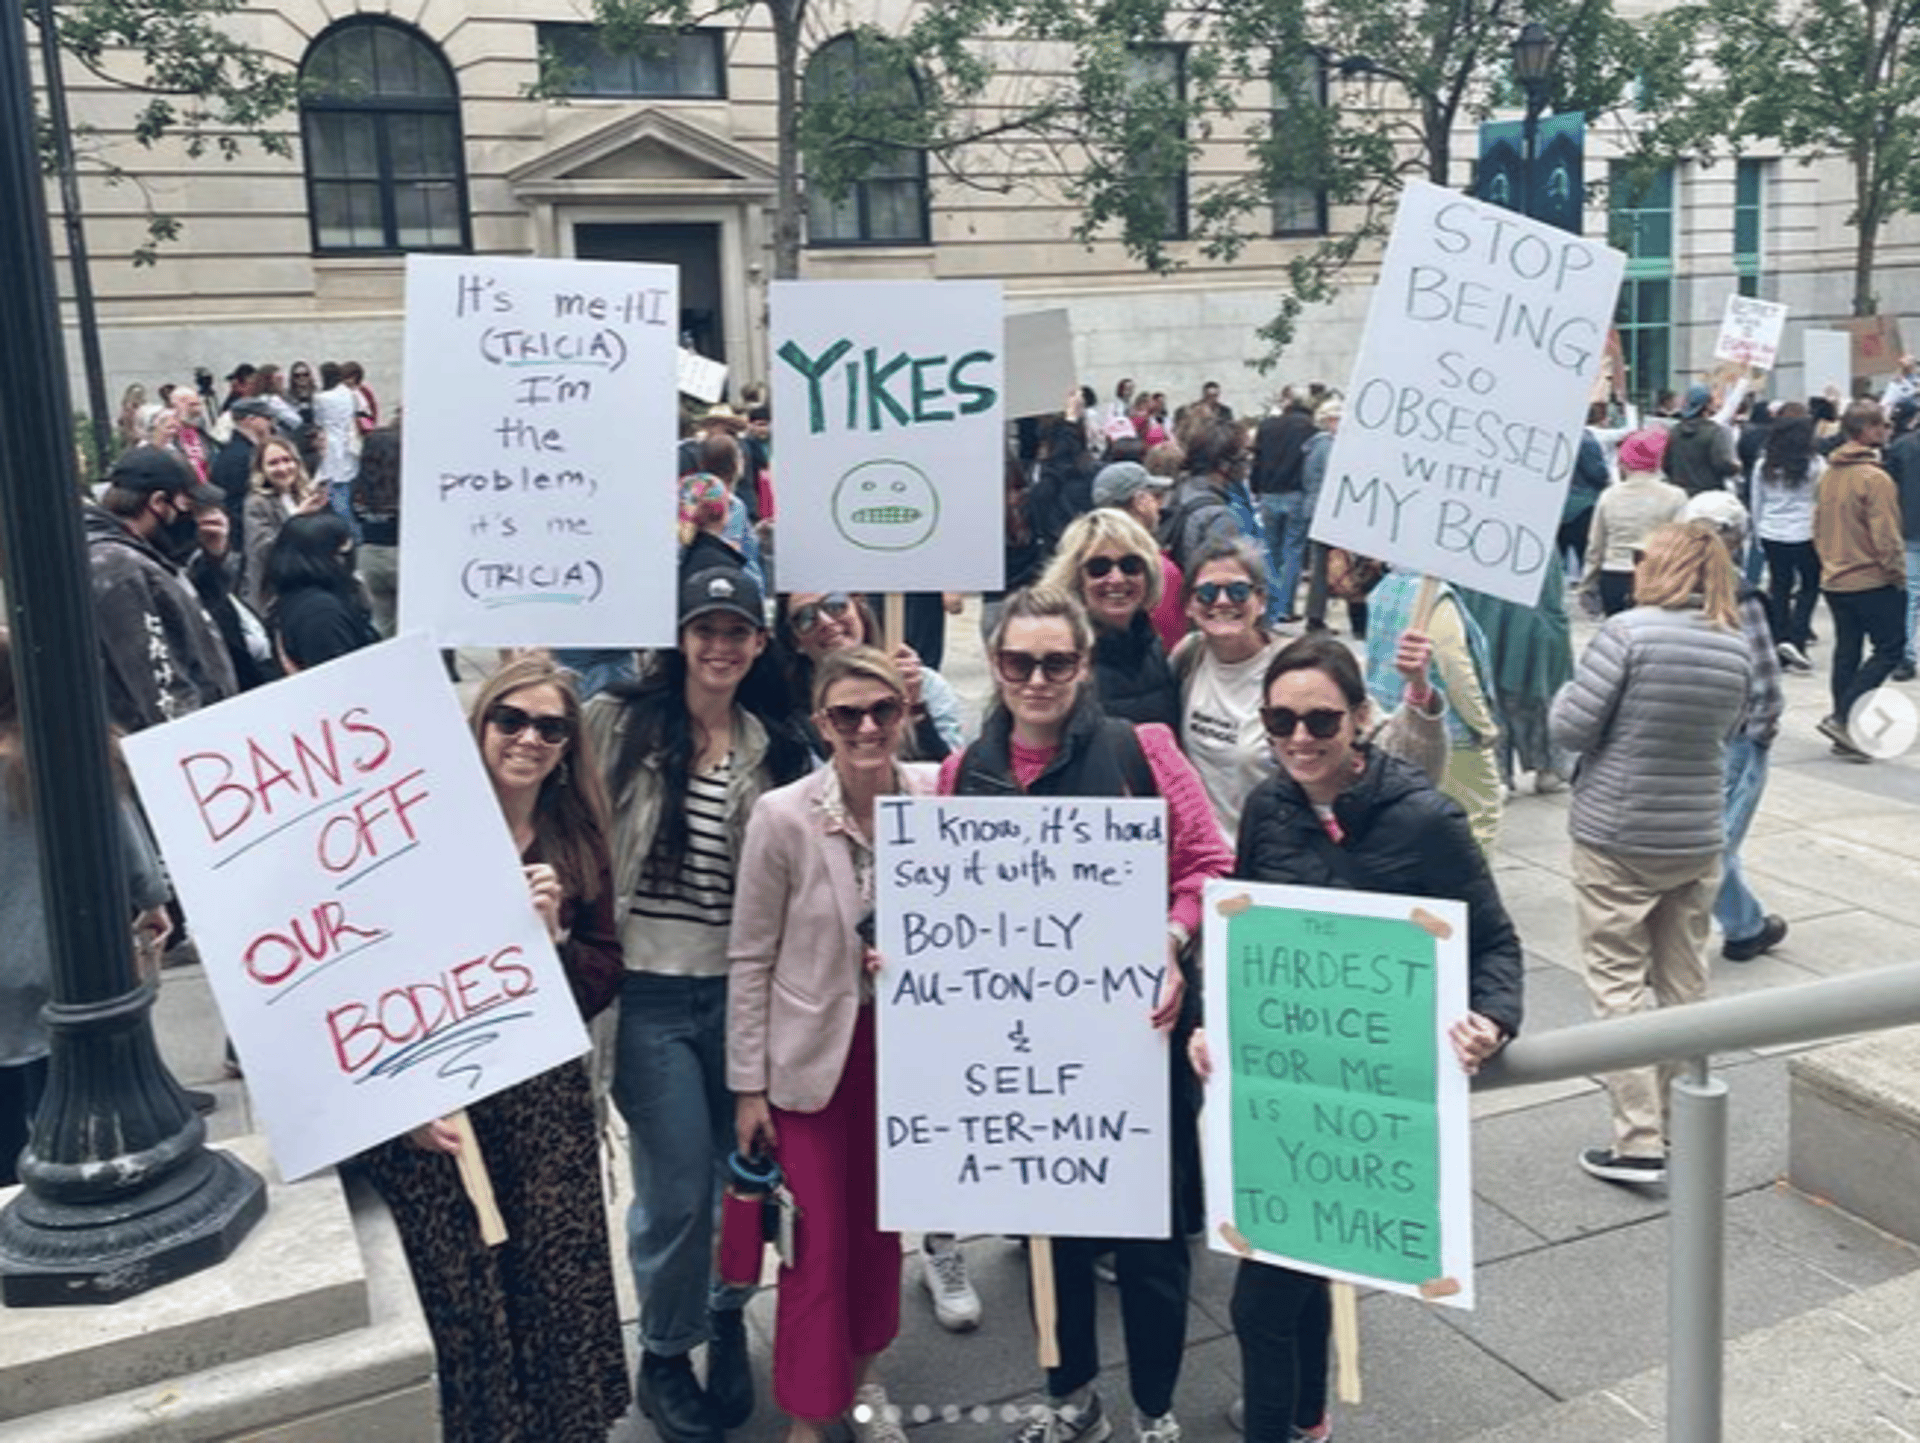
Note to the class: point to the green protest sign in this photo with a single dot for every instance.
(1337, 1115)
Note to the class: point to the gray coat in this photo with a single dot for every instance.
(1650, 708)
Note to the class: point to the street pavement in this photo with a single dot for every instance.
(1571, 1272)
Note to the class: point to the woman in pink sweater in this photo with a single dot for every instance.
(1046, 736)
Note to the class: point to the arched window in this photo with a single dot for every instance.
(887, 204)
(381, 120)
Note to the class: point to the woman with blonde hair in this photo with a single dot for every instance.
(277, 488)
(1110, 564)
(1650, 708)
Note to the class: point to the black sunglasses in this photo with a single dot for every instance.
(1321, 723)
(1017, 667)
(847, 719)
(804, 619)
(1130, 565)
(1208, 592)
(510, 721)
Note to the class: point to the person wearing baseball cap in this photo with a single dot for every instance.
(688, 749)
(162, 655)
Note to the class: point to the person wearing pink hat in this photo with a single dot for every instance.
(1639, 501)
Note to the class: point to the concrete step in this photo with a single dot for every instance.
(1854, 1125)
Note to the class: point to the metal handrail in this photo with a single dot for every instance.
(1697, 1141)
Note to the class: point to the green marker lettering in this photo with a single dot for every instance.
(813, 370)
(979, 398)
(923, 393)
(877, 393)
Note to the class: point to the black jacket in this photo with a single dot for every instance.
(1279, 448)
(1132, 678)
(1401, 836)
(1098, 757)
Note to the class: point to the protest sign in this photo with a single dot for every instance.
(357, 901)
(891, 399)
(1750, 332)
(1336, 1121)
(1040, 370)
(539, 504)
(1827, 358)
(1876, 349)
(1021, 1087)
(1464, 415)
(701, 378)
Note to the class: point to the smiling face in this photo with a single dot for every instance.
(279, 465)
(520, 762)
(885, 506)
(1039, 707)
(865, 756)
(1322, 767)
(1113, 598)
(719, 648)
(1225, 619)
(831, 629)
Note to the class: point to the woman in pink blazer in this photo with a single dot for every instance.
(800, 1049)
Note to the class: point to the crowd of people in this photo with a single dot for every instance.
(696, 823)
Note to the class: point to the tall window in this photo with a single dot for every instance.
(1157, 86)
(1299, 84)
(665, 65)
(886, 204)
(380, 117)
(1749, 186)
(1640, 222)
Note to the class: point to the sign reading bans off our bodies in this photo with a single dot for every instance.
(891, 399)
(538, 467)
(1337, 1121)
(1464, 414)
(1022, 1089)
(357, 899)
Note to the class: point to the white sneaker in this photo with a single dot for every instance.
(1164, 1429)
(1050, 1423)
(943, 1269)
(874, 1418)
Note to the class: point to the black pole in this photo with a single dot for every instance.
(121, 1192)
(1529, 138)
(84, 311)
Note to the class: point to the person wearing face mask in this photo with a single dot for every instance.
(161, 654)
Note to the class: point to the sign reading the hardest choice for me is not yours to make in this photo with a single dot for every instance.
(538, 502)
(1022, 1086)
(890, 399)
(1464, 415)
(1336, 1126)
(355, 894)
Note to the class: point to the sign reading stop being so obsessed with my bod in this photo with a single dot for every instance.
(363, 917)
(891, 404)
(539, 504)
(1464, 415)
(1022, 1087)
(1336, 1127)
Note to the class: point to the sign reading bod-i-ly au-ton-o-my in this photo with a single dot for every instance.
(355, 893)
(890, 396)
(1336, 1122)
(1464, 414)
(1022, 1086)
(539, 506)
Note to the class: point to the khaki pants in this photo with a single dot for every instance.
(1643, 928)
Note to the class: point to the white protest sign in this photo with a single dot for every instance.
(1337, 1129)
(890, 396)
(539, 505)
(1828, 360)
(1040, 369)
(357, 901)
(1021, 1087)
(700, 377)
(1750, 332)
(1464, 415)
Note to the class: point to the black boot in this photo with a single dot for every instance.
(729, 1370)
(670, 1396)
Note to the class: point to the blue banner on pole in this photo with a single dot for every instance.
(1553, 188)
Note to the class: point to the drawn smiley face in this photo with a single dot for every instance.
(886, 506)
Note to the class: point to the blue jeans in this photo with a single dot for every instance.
(1913, 598)
(1286, 514)
(670, 1083)
(1736, 909)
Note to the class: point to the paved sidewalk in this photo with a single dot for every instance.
(1571, 1271)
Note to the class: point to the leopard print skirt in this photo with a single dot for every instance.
(527, 1334)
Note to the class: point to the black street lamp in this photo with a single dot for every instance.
(1533, 68)
(121, 1192)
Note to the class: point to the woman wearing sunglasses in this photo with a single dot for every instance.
(689, 748)
(1046, 735)
(1110, 564)
(812, 625)
(527, 1335)
(1342, 813)
(800, 1046)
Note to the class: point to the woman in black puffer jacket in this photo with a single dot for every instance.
(1342, 813)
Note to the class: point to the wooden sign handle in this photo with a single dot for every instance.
(1423, 603)
(1346, 1343)
(893, 620)
(1046, 1309)
(473, 1177)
